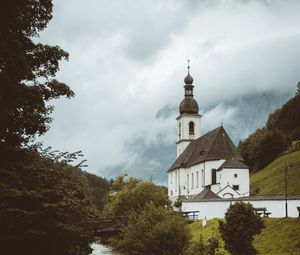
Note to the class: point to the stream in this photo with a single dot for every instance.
(100, 249)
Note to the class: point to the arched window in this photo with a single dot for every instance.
(197, 179)
(188, 182)
(213, 176)
(191, 128)
(176, 180)
(192, 180)
(179, 131)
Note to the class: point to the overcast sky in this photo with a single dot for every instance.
(128, 60)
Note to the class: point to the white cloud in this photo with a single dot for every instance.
(128, 60)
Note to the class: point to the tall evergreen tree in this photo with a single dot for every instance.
(27, 72)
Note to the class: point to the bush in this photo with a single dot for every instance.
(240, 226)
(155, 230)
(133, 196)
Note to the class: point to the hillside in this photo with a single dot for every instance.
(280, 237)
(270, 180)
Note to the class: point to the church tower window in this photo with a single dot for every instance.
(191, 128)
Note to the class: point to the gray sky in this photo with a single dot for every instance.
(128, 61)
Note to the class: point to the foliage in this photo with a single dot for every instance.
(208, 234)
(200, 248)
(154, 230)
(279, 237)
(97, 188)
(27, 72)
(133, 196)
(270, 180)
(262, 147)
(44, 207)
(282, 127)
(240, 226)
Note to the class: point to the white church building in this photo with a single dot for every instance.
(209, 173)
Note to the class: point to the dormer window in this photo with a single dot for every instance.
(191, 128)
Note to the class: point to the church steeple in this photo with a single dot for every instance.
(189, 119)
(188, 104)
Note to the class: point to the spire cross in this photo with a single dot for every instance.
(188, 66)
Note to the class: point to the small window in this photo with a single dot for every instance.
(235, 175)
(213, 176)
(236, 187)
(192, 180)
(191, 128)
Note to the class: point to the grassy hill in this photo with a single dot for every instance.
(280, 237)
(270, 180)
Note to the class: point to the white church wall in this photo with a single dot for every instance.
(217, 208)
(195, 186)
(240, 177)
(184, 137)
(228, 192)
(184, 121)
(208, 166)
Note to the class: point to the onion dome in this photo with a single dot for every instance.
(188, 105)
(188, 79)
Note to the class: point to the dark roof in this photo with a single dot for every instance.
(214, 145)
(233, 163)
(188, 105)
(188, 79)
(206, 194)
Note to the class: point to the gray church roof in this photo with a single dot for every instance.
(214, 145)
(206, 194)
(232, 163)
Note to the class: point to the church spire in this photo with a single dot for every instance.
(188, 104)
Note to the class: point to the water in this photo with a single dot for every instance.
(100, 249)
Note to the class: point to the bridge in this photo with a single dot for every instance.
(115, 225)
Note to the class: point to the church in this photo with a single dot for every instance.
(207, 166)
(209, 173)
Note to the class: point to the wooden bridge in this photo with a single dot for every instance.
(115, 225)
(110, 226)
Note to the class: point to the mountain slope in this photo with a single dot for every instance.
(270, 180)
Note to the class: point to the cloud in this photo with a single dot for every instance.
(127, 65)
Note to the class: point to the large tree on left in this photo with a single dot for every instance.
(27, 72)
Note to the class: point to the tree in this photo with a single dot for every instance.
(240, 226)
(262, 147)
(44, 207)
(27, 72)
(154, 230)
(98, 188)
(133, 196)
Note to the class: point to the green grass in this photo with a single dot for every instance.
(280, 237)
(270, 180)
